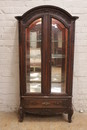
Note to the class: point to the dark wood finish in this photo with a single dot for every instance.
(46, 103)
(21, 114)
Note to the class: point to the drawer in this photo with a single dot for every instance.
(49, 103)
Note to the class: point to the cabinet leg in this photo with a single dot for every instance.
(70, 116)
(21, 114)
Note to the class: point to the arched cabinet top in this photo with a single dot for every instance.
(59, 13)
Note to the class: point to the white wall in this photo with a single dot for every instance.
(9, 61)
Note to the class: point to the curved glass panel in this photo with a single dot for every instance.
(59, 41)
(33, 57)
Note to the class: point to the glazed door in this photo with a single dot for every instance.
(36, 48)
(46, 56)
(58, 67)
(33, 49)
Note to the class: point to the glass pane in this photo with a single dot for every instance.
(58, 57)
(33, 57)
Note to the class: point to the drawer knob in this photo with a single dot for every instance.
(57, 103)
(46, 103)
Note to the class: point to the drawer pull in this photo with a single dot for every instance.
(46, 103)
(57, 103)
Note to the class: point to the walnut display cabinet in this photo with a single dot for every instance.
(46, 48)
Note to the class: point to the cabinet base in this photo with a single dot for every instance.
(45, 112)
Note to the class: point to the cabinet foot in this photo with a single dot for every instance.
(21, 114)
(70, 116)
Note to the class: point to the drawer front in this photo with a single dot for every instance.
(39, 103)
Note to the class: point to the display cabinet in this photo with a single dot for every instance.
(46, 48)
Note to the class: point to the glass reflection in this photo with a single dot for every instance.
(58, 57)
(33, 57)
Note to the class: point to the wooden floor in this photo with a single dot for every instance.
(9, 121)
